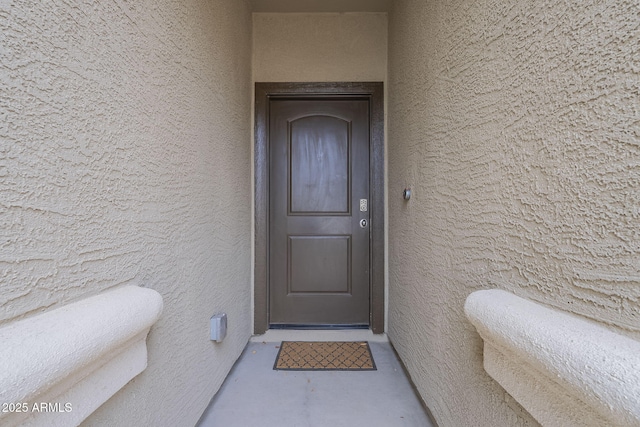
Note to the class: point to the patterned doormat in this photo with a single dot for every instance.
(324, 356)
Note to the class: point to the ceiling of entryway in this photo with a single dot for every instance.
(284, 6)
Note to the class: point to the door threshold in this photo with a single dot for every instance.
(279, 335)
(317, 326)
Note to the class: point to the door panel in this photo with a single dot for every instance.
(319, 264)
(319, 148)
(319, 172)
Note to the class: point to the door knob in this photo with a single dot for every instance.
(363, 223)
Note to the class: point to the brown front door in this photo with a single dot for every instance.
(319, 229)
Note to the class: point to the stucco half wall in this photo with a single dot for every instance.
(516, 124)
(123, 128)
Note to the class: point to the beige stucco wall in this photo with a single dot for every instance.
(319, 47)
(124, 159)
(517, 125)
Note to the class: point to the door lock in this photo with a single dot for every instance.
(363, 223)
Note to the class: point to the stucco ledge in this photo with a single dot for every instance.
(58, 367)
(564, 370)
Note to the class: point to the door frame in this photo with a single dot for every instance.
(373, 92)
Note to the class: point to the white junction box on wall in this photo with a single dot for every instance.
(218, 327)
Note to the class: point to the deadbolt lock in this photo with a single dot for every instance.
(363, 223)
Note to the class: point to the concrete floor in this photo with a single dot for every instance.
(255, 395)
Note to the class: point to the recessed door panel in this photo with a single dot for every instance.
(318, 175)
(319, 264)
(319, 156)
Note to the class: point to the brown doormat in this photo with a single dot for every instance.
(324, 356)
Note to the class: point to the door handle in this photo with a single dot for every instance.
(363, 223)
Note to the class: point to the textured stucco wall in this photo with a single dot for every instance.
(319, 47)
(124, 159)
(517, 124)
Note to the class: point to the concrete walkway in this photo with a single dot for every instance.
(257, 396)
